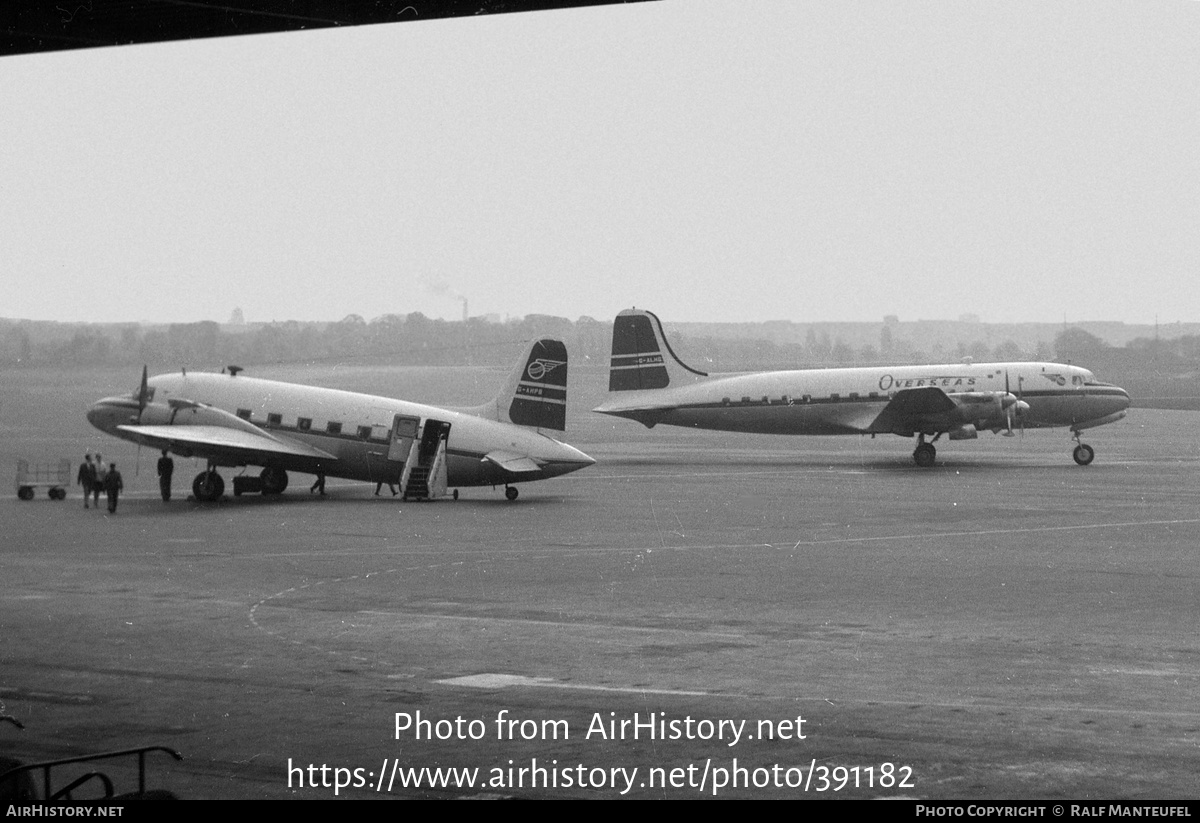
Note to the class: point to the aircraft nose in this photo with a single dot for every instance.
(110, 412)
(1118, 398)
(100, 415)
(1108, 402)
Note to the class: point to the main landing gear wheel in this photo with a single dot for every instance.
(25, 493)
(274, 480)
(925, 455)
(208, 486)
(456, 494)
(511, 492)
(1084, 454)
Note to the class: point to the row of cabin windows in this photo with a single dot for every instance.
(788, 400)
(305, 424)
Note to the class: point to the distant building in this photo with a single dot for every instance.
(237, 318)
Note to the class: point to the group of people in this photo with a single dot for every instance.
(95, 477)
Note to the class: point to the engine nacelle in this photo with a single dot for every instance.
(986, 410)
(189, 413)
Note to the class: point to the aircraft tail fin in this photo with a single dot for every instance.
(535, 393)
(641, 356)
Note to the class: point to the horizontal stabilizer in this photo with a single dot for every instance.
(512, 462)
(222, 440)
(648, 414)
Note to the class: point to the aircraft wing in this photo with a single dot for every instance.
(221, 441)
(911, 409)
(513, 462)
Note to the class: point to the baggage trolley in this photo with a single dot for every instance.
(55, 479)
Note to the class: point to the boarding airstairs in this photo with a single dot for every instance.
(424, 476)
(20, 784)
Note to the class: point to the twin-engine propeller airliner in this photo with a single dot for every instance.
(650, 384)
(231, 420)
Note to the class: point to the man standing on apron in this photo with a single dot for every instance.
(166, 467)
(113, 485)
(87, 478)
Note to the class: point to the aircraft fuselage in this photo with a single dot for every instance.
(349, 434)
(849, 401)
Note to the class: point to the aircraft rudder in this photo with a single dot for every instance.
(641, 357)
(539, 387)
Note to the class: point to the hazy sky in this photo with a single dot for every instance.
(707, 160)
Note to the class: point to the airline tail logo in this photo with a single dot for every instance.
(540, 398)
(538, 369)
(637, 360)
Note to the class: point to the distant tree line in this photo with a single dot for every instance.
(412, 339)
(415, 339)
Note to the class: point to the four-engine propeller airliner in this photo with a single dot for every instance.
(650, 384)
(231, 420)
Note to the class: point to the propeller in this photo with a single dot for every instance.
(1013, 405)
(1007, 403)
(143, 395)
(1022, 406)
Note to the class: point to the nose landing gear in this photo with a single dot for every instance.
(1083, 454)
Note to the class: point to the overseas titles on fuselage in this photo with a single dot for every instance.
(887, 382)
